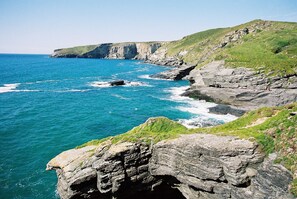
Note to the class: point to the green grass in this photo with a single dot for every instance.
(153, 130)
(272, 50)
(78, 50)
(275, 133)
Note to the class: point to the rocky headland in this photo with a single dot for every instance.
(241, 69)
(212, 62)
(163, 159)
(129, 50)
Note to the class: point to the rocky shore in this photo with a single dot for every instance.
(200, 165)
(191, 166)
(239, 89)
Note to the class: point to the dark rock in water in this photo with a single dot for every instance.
(196, 94)
(225, 109)
(174, 74)
(117, 83)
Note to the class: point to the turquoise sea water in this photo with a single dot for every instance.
(51, 105)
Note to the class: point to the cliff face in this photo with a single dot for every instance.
(192, 166)
(241, 87)
(141, 50)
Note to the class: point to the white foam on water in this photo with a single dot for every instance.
(49, 80)
(6, 88)
(9, 87)
(154, 78)
(99, 84)
(70, 91)
(137, 84)
(197, 107)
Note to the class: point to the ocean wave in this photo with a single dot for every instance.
(70, 90)
(154, 78)
(200, 108)
(199, 121)
(120, 97)
(137, 84)
(9, 88)
(49, 80)
(98, 84)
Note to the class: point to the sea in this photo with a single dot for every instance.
(48, 105)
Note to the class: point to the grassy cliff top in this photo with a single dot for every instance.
(78, 50)
(269, 46)
(274, 128)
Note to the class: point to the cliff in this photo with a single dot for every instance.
(242, 68)
(246, 66)
(131, 50)
(247, 158)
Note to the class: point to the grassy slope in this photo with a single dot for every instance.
(277, 133)
(78, 50)
(273, 49)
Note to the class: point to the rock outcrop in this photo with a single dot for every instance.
(241, 87)
(131, 50)
(192, 166)
(175, 74)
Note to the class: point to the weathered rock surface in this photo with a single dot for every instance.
(192, 166)
(226, 109)
(241, 87)
(175, 74)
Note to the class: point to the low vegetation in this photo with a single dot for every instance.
(270, 47)
(78, 50)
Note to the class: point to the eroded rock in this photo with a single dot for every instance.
(240, 87)
(191, 166)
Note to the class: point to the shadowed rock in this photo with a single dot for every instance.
(192, 166)
(117, 83)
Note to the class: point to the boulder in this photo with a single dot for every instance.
(117, 83)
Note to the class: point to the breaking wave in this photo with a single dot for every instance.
(199, 108)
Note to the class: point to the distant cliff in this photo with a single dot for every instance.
(130, 50)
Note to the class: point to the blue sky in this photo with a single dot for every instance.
(40, 26)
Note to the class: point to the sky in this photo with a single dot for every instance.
(40, 26)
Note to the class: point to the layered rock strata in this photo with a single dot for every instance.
(241, 87)
(131, 50)
(192, 166)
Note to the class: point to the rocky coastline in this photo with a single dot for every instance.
(194, 166)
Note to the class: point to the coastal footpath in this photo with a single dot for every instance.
(242, 69)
